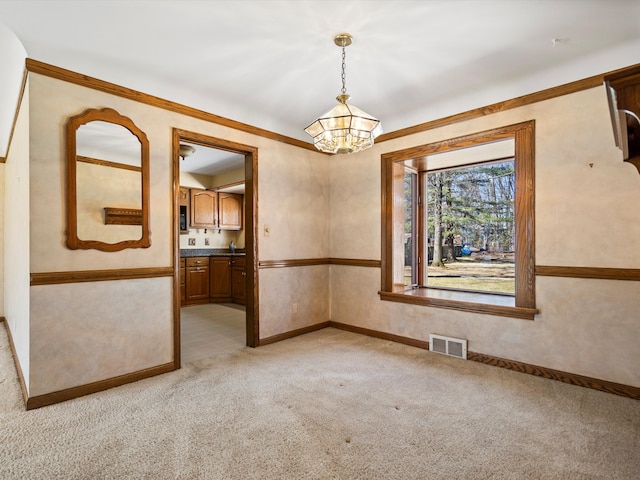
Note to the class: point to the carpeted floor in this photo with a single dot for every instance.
(326, 405)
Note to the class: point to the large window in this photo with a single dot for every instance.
(458, 223)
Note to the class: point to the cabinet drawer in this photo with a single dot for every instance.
(239, 261)
(197, 261)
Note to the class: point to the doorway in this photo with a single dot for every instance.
(237, 159)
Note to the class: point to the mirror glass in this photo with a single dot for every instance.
(107, 162)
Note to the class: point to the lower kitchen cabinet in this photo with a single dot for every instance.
(239, 280)
(197, 280)
(220, 279)
(215, 279)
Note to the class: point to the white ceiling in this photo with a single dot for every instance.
(273, 64)
(210, 161)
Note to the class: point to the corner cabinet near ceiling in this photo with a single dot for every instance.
(204, 208)
(623, 92)
(230, 211)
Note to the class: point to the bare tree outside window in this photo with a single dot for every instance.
(470, 227)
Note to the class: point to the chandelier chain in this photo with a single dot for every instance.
(344, 75)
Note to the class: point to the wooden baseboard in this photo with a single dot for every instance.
(565, 377)
(292, 333)
(79, 391)
(99, 386)
(16, 362)
(383, 335)
(549, 373)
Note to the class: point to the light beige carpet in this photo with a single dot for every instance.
(327, 405)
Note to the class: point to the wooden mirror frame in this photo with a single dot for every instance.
(110, 116)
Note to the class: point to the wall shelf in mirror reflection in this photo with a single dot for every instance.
(107, 164)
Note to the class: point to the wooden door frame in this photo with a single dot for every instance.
(250, 226)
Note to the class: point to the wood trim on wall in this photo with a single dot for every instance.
(540, 270)
(414, 342)
(292, 333)
(355, 262)
(95, 387)
(303, 262)
(310, 262)
(536, 370)
(547, 94)
(53, 278)
(52, 71)
(15, 115)
(632, 274)
(16, 362)
(107, 87)
(552, 374)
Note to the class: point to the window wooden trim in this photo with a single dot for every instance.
(393, 163)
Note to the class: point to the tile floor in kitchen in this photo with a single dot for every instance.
(211, 329)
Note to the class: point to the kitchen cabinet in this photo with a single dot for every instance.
(230, 211)
(239, 280)
(208, 209)
(215, 279)
(197, 280)
(220, 279)
(204, 208)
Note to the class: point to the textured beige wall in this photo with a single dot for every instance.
(585, 216)
(79, 336)
(293, 298)
(2, 203)
(16, 238)
(293, 201)
(293, 198)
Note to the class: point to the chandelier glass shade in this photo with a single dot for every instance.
(345, 128)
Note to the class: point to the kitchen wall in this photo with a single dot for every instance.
(586, 215)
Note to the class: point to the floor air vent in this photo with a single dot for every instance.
(453, 347)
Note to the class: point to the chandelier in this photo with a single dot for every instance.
(345, 128)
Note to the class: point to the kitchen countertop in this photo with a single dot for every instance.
(212, 252)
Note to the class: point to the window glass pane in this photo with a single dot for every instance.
(410, 240)
(471, 228)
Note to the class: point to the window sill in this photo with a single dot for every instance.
(501, 305)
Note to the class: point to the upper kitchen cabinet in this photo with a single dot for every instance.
(230, 211)
(203, 208)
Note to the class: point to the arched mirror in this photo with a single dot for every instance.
(107, 182)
